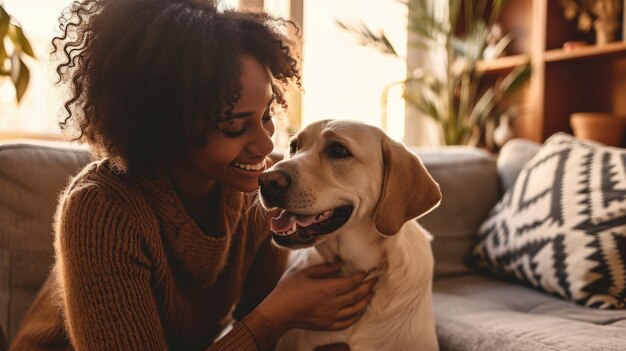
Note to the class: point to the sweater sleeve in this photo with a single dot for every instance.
(104, 276)
(266, 270)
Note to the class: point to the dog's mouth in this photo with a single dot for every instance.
(289, 227)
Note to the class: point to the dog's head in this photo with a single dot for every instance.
(339, 172)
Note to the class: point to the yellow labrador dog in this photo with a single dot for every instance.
(348, 190)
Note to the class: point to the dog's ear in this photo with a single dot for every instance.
(408, 190)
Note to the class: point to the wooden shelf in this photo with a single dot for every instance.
(586, 52)
(501, 63)
(587, 78)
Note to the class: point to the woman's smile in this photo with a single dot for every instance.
(249, 170)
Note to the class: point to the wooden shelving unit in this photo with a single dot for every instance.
(587, 78)
(612, 50)
(502, 64)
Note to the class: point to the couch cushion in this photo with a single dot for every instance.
(512, 158)
(562, 227)
(474, 312)
(31, 177)
(469, 185)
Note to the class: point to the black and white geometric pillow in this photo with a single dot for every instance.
(562, 226)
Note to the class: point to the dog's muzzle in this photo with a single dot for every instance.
(297, 229)
(274, 184)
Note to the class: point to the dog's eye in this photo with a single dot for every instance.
(336, 150)
(293, 147)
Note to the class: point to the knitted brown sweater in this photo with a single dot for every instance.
(134, 272)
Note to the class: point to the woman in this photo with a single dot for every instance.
(157, 244)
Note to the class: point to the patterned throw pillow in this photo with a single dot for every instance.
(562, 226)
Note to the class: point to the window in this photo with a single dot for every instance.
(38, 110)
(341, 79)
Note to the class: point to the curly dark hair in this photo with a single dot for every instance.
(149, 78)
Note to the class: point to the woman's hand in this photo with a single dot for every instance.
(311, 299)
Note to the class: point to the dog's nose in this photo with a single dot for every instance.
(273, 184)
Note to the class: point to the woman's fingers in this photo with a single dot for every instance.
(355, 309)
(344, 285)
(353, 296)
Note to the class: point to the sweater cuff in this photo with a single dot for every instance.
(238, 338)
(262, 330)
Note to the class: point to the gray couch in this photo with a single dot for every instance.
(473, 312)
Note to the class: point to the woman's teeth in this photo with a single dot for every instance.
(255, 167)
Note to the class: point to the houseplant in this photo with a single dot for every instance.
(11, 56)
(449, 89)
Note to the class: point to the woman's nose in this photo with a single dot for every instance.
(262, 143)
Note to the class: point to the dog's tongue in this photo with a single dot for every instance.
(284, 222)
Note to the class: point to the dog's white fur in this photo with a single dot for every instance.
(388, 187)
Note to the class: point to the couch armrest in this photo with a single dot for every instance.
(31, 177)
(469, 183)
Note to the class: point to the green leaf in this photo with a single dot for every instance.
(481, 6)
(423, 104)
(388, 45)
(483, 107)
(474, 43)
(342, 25)
(516, 79)
(470, 17)
(19, 40)
(502, 44)
(455, 13)
(496, 10)
(3, 58)
(418, 44)
(4, 22)
(426, 25)
(21, 81)
(369, 38)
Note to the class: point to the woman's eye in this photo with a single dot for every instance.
(233, 134)
(232, 128)
(337, 150)
(293, 147)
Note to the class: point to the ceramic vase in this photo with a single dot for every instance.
(605, 128)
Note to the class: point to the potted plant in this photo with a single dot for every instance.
(11, 56)
(452, 95)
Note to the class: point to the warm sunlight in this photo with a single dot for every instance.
(343, 79)
(37, 112)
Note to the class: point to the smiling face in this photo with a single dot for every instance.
(235, 154)
(333, 172)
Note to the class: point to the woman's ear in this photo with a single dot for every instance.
(408, 190)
